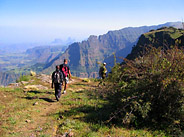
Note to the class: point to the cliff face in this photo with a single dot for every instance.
(84, 57)
(164, 37)
(6, 78)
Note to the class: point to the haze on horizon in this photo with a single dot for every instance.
(45, 20)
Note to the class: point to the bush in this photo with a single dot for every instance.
(23, 78)
(86, 80)
(151, 30)
(32, 73)
(149, 90)
(162, 28)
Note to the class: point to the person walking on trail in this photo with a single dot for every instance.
(66, 73)
(57, 82)
(102, 73)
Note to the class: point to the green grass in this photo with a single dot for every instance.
(85, 115)
(8, 89)
(24, 78)
(12, 120)
(174, 33)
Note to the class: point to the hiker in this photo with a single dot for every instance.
(57, 82)
(66, 73)
(103, 71)
(102, 74)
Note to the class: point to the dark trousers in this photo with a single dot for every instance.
(58, 88)
(102, 80)
(103, 76)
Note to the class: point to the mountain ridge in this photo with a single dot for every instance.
(84, 57)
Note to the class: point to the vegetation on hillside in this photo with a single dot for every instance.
(149, 91)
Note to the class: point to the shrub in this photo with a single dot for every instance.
(162, 28)
(32, 73)
(86, 80)
(23, 78)
(149, 90)
(151, 30)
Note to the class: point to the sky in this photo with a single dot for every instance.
(24, 21)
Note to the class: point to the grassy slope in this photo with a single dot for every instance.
(76, 112)
(173, 32)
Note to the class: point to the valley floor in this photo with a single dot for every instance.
(30, 109)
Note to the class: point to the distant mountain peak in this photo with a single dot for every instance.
(59, 41)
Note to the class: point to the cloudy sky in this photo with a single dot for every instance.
(44, 20)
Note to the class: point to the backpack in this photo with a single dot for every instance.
(65, 70)
(57, 77)
(101, 71)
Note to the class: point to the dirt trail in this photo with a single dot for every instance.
(37, 121)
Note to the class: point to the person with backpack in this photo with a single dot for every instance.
(57, 82)
(66, 73)
(102, 74)
(103, 71)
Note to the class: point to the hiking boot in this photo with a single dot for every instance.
(64, 92)
(57, 98)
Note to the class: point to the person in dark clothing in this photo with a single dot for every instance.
(66, 73)
(103, 71)
(57, 81)
(102, 74)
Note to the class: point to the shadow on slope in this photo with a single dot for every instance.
(34, 94)
(42, 98)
